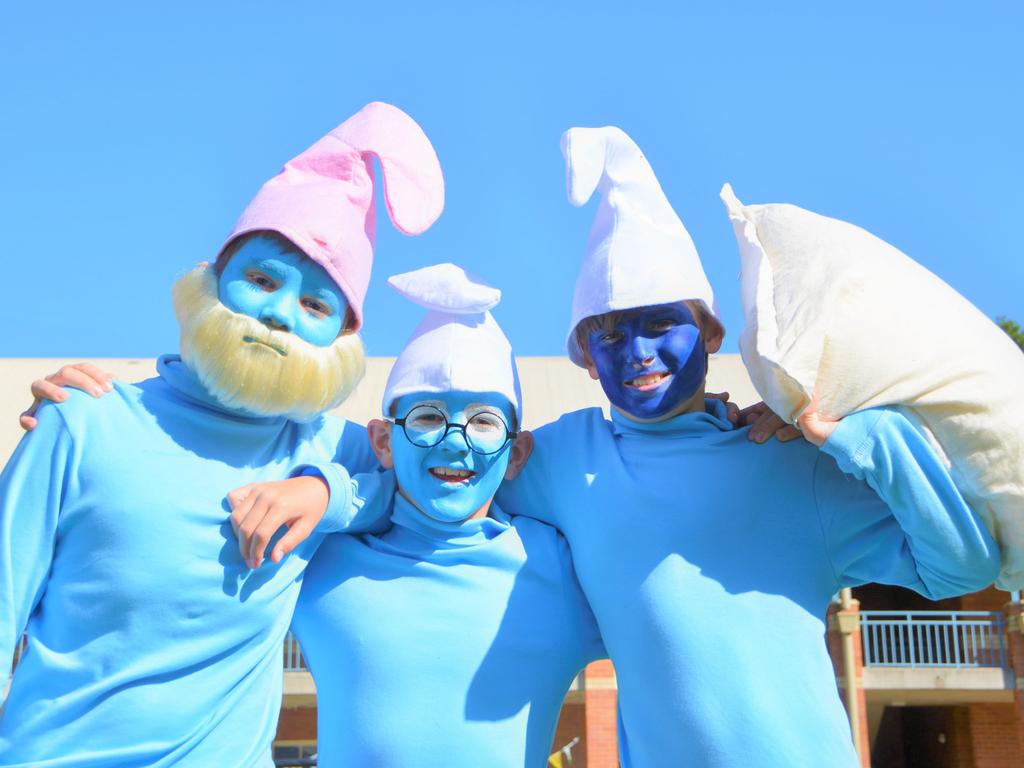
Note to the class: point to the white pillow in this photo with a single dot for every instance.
(832, 310)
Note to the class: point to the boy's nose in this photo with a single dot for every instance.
(640, 355)
(455, 441)
(276, 315)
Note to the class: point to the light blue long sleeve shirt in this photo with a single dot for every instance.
(149, 642)
(709, 562)
(443, 645)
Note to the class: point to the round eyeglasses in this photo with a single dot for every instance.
(485, 432)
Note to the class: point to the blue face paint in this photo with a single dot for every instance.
(652, 361)
(427, 476)
(284, 290)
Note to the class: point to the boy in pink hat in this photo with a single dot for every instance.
(150, 641)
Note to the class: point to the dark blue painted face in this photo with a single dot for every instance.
(651, 361)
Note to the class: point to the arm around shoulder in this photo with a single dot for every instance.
(551, 476)
(33, 486)
(358, 503)
(317, 498)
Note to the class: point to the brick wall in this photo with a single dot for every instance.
(961, 747)
(1015, 652)
(990, 599)
(993, 734)
(298, 724)
(572, 725)
(601, 734)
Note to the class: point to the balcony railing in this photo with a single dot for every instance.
(890, 639)
(19, 649)
(933, 639)
(293, 661)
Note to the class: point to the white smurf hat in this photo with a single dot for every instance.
(639, 253)
(459, 345)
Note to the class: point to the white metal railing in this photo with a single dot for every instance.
(890, 639)
(293, 661)
(933, 638)
(19, 649)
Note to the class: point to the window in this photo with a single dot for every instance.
(295, 755)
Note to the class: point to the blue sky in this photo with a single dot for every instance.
(134, 134)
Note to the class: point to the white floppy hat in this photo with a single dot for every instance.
(458, 346)
(639, 253)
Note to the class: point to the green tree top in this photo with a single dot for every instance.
(1013, 330)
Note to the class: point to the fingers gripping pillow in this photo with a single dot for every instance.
(833, 312)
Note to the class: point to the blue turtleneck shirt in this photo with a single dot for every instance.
(443, 645)
(709, 562)
(149, 642)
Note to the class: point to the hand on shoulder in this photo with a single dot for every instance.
(764, 423)
(258, 510)
(83, 376)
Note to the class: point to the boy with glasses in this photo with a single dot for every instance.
(451, 638)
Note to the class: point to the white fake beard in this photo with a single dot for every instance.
(277, 374)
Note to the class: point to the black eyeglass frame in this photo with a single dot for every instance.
(510, 435)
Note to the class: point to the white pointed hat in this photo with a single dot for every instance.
(458, 347)
(639, 253)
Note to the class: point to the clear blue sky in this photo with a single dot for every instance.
(133, 134)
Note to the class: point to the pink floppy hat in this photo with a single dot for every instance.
(323, 200)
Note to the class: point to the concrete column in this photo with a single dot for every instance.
(846, 649)
(1015, 659)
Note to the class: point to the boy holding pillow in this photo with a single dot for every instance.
(710, 562)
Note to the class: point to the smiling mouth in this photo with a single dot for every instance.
(452, 475)
(267, 344)
(649, 381)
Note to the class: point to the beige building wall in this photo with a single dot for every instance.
(551, 387)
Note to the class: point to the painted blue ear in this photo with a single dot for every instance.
(446, 288)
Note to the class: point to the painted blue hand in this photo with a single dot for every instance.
(283, 289)
(449, 481)
(652, 362)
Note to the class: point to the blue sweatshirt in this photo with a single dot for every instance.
(150, 643)
(447, 645)
(709, 562)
